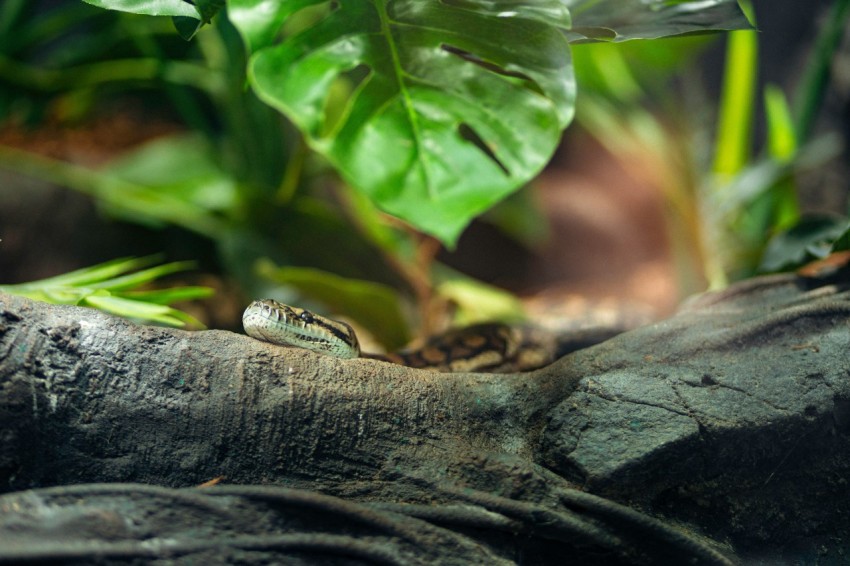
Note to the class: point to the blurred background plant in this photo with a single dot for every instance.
(733, 210)
(228, 168)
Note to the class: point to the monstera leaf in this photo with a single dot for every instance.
(622, 20)
(150, 7)
(452, 105)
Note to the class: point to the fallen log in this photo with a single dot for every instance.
(730, 419)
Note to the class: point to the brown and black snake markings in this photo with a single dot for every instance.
(489, 347)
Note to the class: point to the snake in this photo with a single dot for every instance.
(491, 347)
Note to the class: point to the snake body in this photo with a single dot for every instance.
(489, 347)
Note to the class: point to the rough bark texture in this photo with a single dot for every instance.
(730, 419)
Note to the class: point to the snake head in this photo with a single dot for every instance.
(282, 324)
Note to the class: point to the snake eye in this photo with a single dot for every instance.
(306, 316)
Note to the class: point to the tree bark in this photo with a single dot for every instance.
(730, 419)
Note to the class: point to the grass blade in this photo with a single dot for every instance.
(734, 130)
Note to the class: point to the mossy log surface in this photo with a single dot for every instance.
(718, 435)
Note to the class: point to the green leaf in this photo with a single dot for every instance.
(374, 306)
(184, 167)
(132, 280)
(842, 242)
(476, 301)
(781, 138)
(735, 120)
(91, 275)
(171, 295)
(175, 179)
(622, 20)
(812, 238)
(208, 8)
(149, 7)
(186, 27)
(761, 175)
(108, 286)
(259, 22)
(442, 122)
(189, 202)
(373, 225)
(814, 84)
(139, 310)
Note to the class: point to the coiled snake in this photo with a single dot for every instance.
(489, 347)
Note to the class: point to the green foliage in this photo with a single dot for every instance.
(812, 238)
(114, 287)
(812, 89)
(476, 302)
(431, 111)
(149, 7)
(173, 180)
(447, 107)
(725, 212)
(624, 20)
(133, 188)
(790, 143)
(781, 137)
(54, 60)
(734, 131)
(765, 221)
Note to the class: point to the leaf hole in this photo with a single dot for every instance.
(514, 76)
(341, 91)
(306, 18)
(470, 135)
(351, 80)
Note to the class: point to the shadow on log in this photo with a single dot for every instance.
(718, 435)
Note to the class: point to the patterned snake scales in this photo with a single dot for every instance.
(492, 347)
